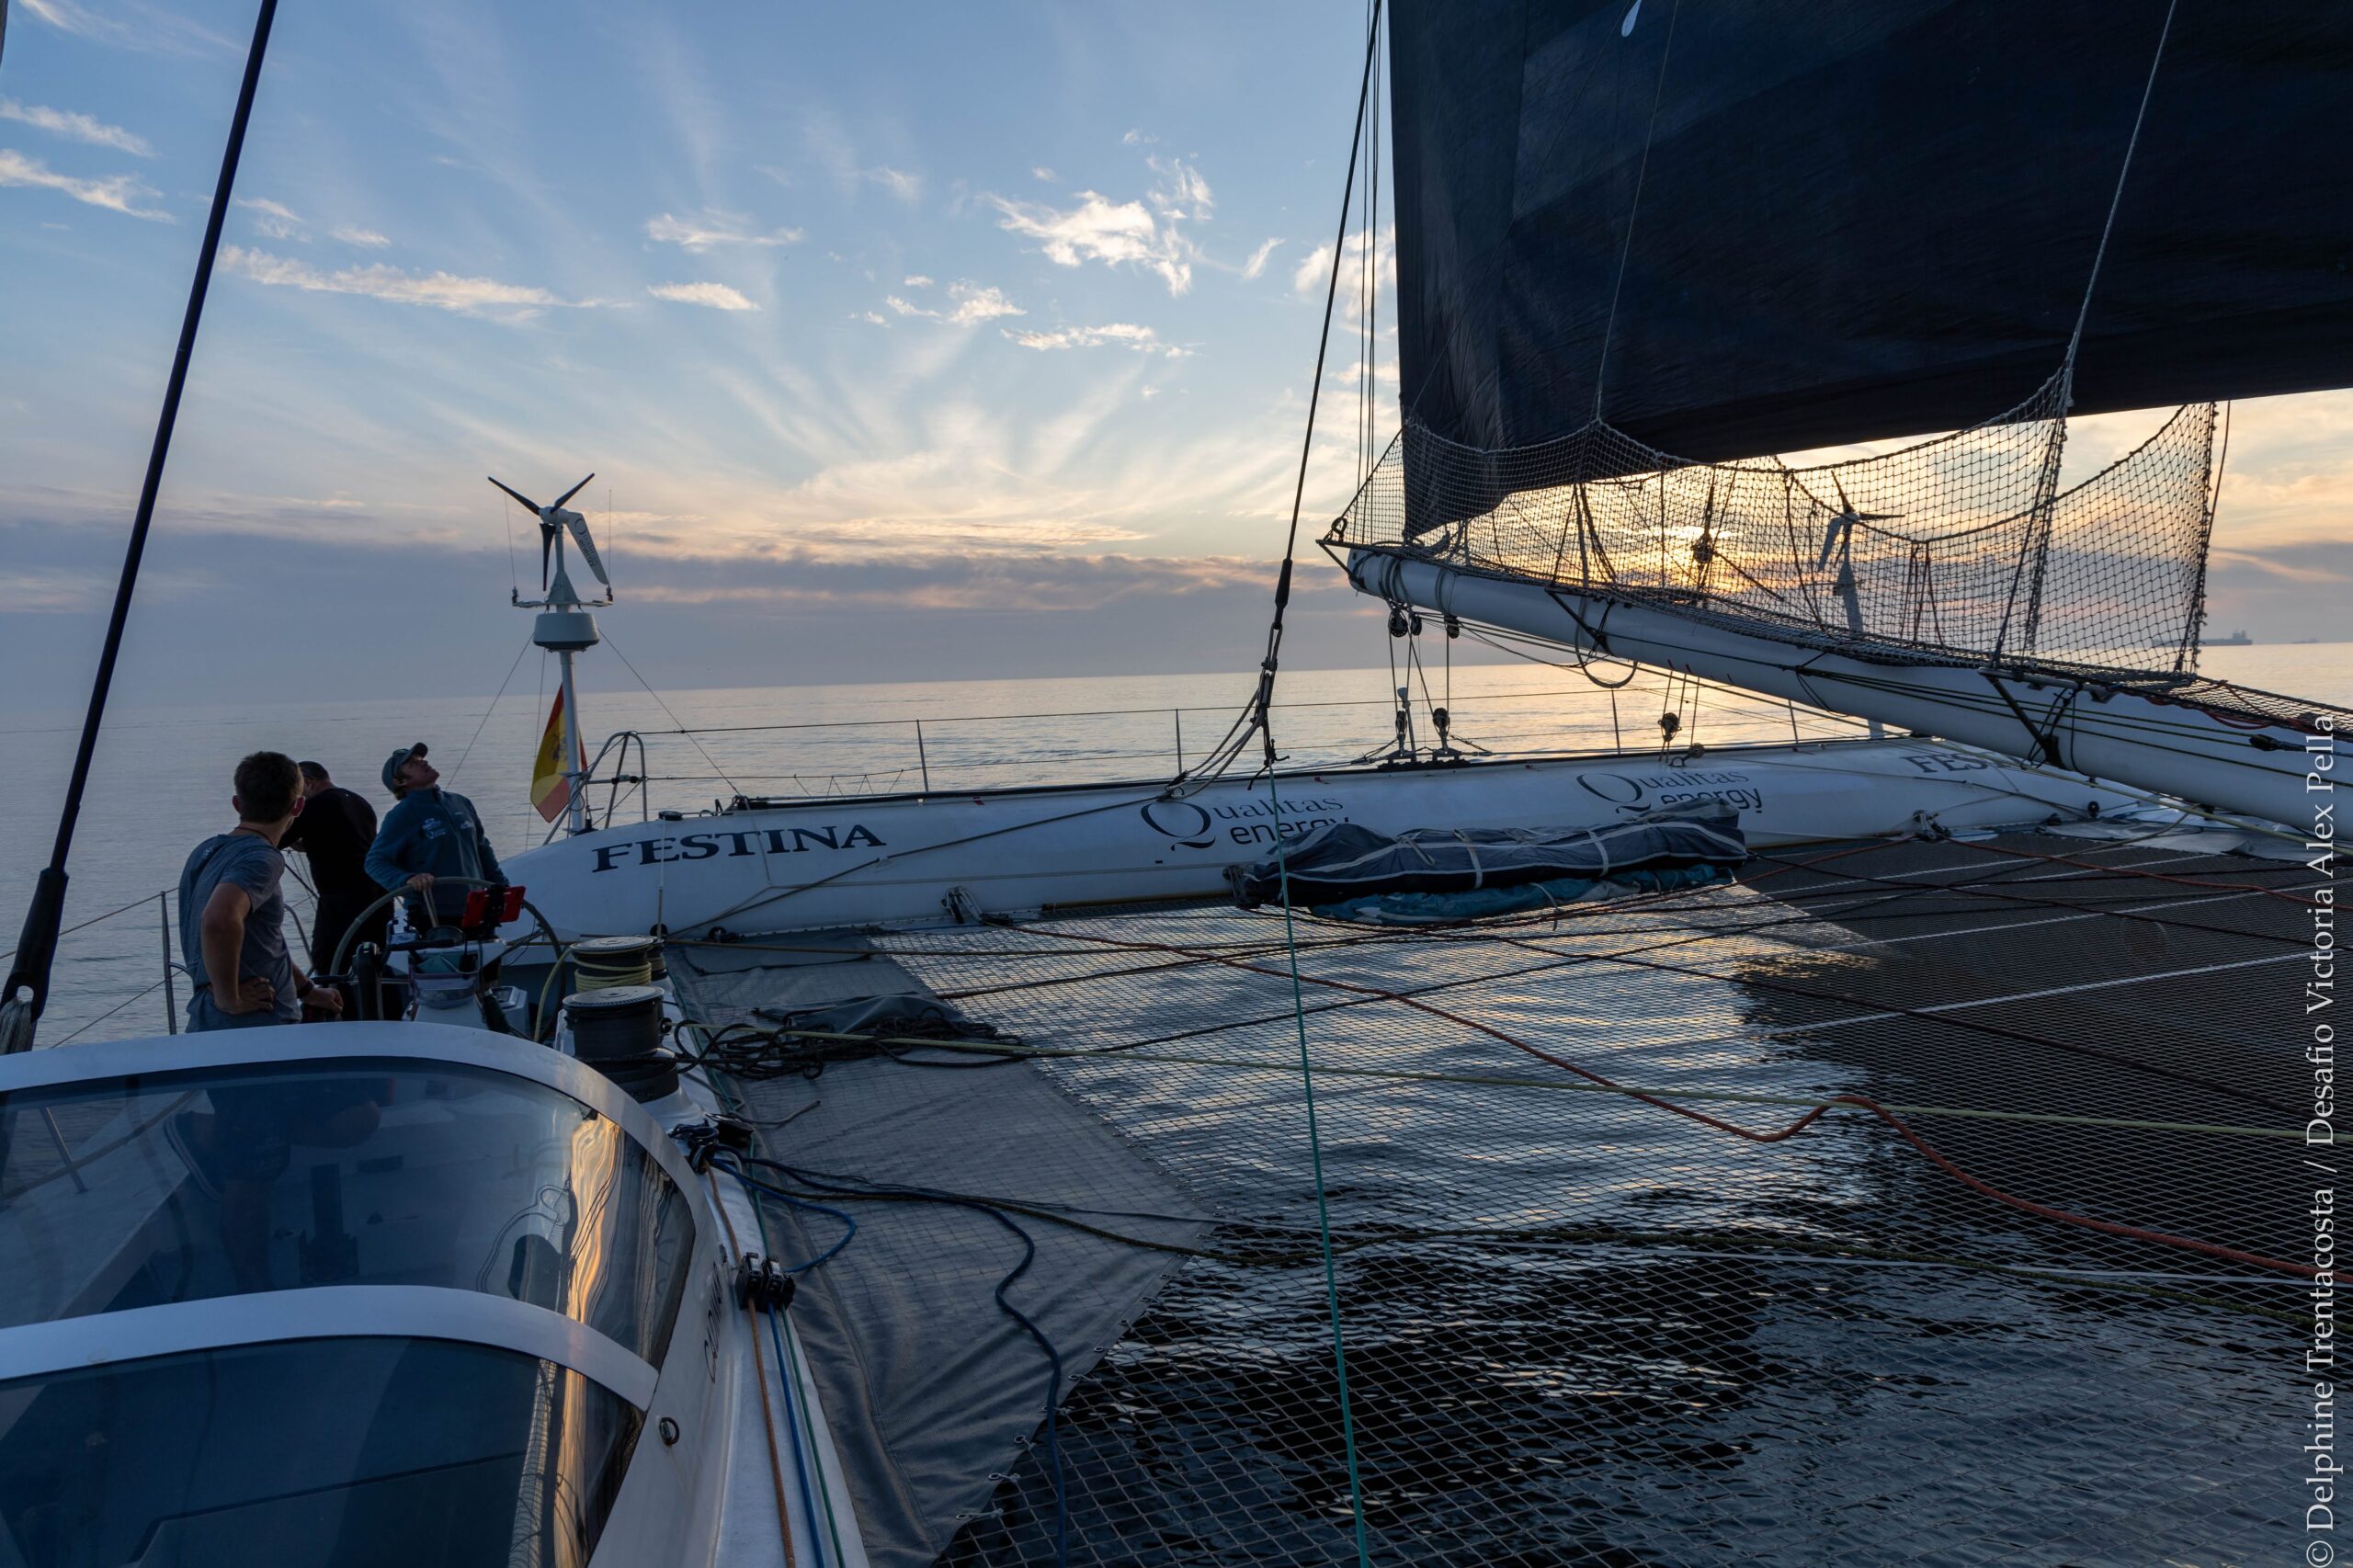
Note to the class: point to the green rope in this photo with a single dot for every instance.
(1322, 1207)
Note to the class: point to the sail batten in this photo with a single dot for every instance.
(1857, 221)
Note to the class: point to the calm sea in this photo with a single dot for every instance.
(160, 782)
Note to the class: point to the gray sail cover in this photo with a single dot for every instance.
(1861, 221)
(1343, 860)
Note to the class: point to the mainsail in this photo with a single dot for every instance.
(1772, 226)
(1639, 245)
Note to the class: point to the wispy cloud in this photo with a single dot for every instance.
(1138, 139)
(973, 305)
(440, 290)
(1124, 335)
(352, 235)
(115, 193)
(274, 219)
(718, 296)
(75, 127)
(907, 187)
(716, 229)
(1257, 262)
(917, 281)
(1181, 188)
(1313, 276)
(1040, 171)
(150, 29)
(1147, 232)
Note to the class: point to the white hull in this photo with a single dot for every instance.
(898, 861)
(2225, 761)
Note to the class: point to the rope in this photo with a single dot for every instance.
(2116, 199)
(1315, 1160)
(460, 765)
(767, 1416)
(1633, 208)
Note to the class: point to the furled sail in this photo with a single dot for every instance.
(1735, 229)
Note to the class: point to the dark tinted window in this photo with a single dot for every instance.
(130, 1192)
(332, 1453)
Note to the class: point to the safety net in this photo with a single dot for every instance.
(1903, 1201)
(1961, 547)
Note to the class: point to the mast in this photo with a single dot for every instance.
(566, 627)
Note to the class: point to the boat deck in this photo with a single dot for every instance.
(1914, 1202)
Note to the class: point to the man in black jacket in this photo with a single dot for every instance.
(335, 830)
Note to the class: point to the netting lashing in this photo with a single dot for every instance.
(1959, 547)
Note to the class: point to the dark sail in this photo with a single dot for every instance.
(1861, 221)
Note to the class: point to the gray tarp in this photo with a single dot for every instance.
(1343, 860)
(930, 1389)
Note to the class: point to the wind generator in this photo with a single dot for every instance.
(565, 626)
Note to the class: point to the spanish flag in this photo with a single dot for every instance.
(550, 790)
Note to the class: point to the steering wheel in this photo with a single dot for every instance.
(343, 948)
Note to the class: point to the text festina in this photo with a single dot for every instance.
(747, 841)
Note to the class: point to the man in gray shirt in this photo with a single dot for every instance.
(233, 913)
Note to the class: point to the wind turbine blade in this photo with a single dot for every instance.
(579, 526)
(574, 491)
(547, 543)
(526, 500)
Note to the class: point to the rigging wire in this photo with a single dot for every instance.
(678, 729)
(1254, 719)
(1633, 208)
(460, 765)
(26, 991)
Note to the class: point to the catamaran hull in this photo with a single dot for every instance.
(2231, 761)
(918, 860)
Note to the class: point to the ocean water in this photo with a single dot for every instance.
(160, 780)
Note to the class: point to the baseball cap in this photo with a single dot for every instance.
(393, 764)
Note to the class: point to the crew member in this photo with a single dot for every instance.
(232, 911)
(432, 832)
(335, 828)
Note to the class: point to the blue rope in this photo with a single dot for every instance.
(1322, 1207)
(800, 1464)
(849, 1230)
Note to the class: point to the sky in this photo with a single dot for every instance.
(938, 342)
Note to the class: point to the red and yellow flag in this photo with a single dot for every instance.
(550, 790)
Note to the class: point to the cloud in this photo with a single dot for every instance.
(917, 281)
(973, 305)
(1138, 139)
(715, 229)
(718, 296)
(440, 290)
(115, 193)
(352, 235)
(1124, 335)
(1257, 262)
(150, 29)
(75, 127)
(1182, 186)
(1040, 171)
(1313, 276)
(907, 187)
(276, 220)
(1116, 234)
(941, 579)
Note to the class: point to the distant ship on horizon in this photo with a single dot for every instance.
(2235, 640)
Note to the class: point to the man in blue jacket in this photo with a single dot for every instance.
(432, 832)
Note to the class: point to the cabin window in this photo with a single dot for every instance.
(319, 1453)
(175, 1187)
